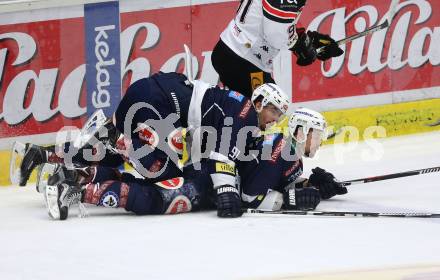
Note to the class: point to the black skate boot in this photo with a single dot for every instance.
(33, 156)
(62, 191)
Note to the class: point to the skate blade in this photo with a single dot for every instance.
(44, 172)
(51, 198)
(17, 154)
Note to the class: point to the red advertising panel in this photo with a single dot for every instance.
(43, 71)
(405, 56)
(41, 89)
(153, 41)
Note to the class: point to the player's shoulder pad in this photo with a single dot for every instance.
(284, 11)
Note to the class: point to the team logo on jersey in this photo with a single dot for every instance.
(245, 111)
(110, 199)
(257, 78)
(277, 152)
(147, 134)
(236, 95)
(265, 48)
(180, 204)
(171, 184)
(258, 56)
(94, 196)
(175, 141)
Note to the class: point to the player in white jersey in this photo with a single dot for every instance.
(244, 55)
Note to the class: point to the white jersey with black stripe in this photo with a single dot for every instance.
(261, 28)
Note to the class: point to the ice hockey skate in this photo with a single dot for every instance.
(24, 159)
(63, 190)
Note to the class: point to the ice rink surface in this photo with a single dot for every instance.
(112, 244)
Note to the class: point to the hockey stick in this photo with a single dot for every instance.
(434, 124)
(370, 30)
(334, 133)
(391, 176)
(344, 213)
(188, 64)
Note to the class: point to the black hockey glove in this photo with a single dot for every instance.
(306, 198)
(331, 48)
(304, 49)
(325, 182)
(228, 202)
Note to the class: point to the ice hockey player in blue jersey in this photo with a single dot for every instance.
(273, 179)
(156, 108)
(244, 55)
(227, 115)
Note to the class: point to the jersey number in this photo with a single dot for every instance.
(245, 9)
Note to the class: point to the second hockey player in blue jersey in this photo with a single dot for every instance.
(273, 179)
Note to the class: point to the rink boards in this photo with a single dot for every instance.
(379, 87)
(353, 124)
(421, 272)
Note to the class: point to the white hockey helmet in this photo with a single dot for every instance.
(271, 94)
(305, 123)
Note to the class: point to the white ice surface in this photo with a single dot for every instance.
(112, 244)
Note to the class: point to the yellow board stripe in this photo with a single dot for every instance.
(396, 119)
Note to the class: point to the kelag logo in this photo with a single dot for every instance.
(103, 70)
